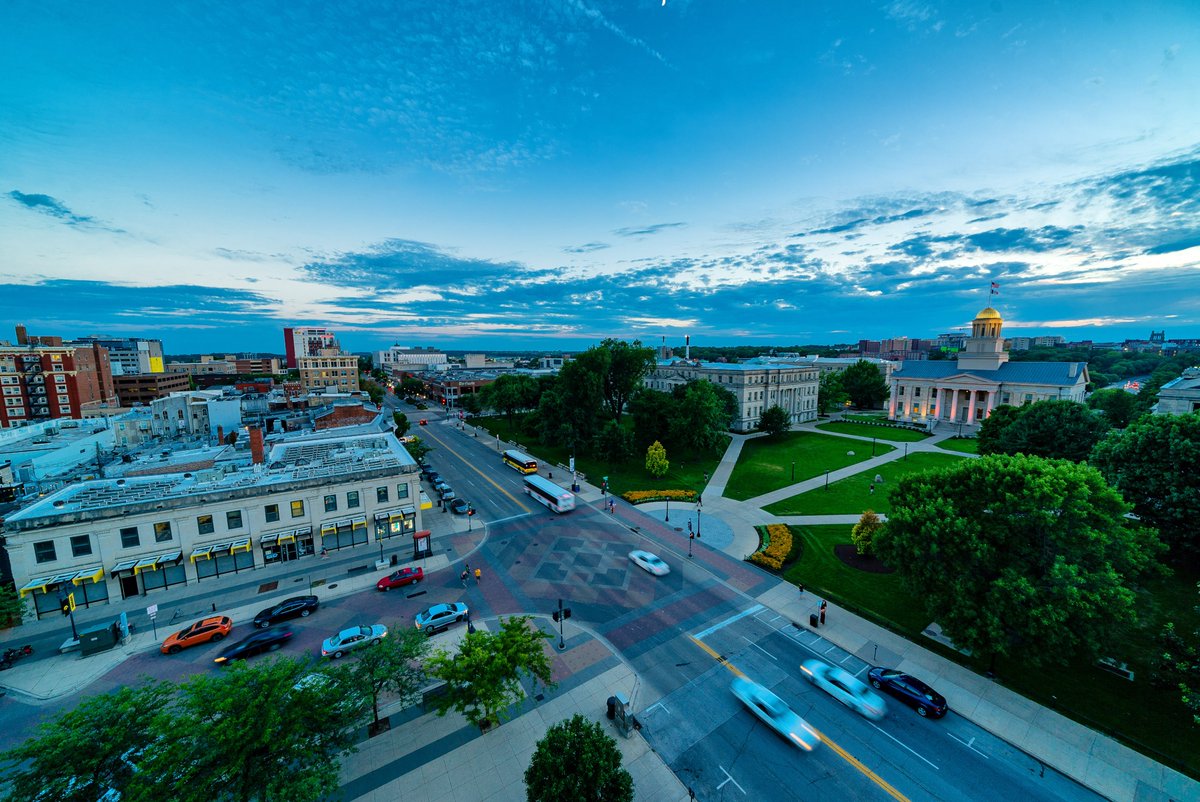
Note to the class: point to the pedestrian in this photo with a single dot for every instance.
(463, 577)
(478, 575)
(549, 474)
(872, 488)
(689, 526)
(612, 507)
(324, 552)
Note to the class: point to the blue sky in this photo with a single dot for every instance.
(547, 174)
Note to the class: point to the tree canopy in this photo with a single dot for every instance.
(1019, 556)
(1155, 463)
(393, 666)
(774, 421)
(627, 366)
(1119, 407)
(1051, 429)
(657, 464)
(830, 393)
(864, 385)
(577, 760)
(509, 394)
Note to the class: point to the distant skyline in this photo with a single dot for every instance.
(543, 175)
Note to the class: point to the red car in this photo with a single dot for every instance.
(405, 576)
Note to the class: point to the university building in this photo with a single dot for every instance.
(757, 385)
(963, 392)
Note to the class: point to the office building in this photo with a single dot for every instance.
(307, 341)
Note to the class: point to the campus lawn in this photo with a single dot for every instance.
(896, 435)
(686, 473)
(964, 445)
(765, 463)
(866, 416)
(852, 495)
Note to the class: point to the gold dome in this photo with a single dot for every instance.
(988, 314)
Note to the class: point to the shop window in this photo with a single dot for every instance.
(205, 524)
(298, 509)
(81, 546)
(233, 519)
(352, 499)
(44, 552)
(162, 532)
(129, 537)
(331, 503)
(272, 511)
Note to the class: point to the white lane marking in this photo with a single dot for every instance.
(727, 622)
(830, 649)
(657, 704)
(761, 649)
(729, 779)
(510, 518)
(844, 659)
(969, 745)
(906, 746)
(861, 670)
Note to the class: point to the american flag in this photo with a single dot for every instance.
(995, 289)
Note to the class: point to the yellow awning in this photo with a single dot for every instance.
(360, 522)
(328, 529)
(288, 537)
(89, 574)
(202, 554)
(240, 545)
(269, 540)
(426, 504)
(147, 563)
(395, 516)
(36, 584)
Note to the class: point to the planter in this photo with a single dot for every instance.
(379, 727)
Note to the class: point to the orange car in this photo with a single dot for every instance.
(208, 630)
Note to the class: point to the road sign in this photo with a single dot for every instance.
(152, 611)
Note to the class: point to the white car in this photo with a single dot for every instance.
(353, 638)
(649, 562)
(777, 715)
(439, 617)
(841, 685)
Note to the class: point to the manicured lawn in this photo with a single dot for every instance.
(686, 473)
(852, 495)
(765, 463)
(965, 445)
(879, 595)
(880, 432)
(867, 416)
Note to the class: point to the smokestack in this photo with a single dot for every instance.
(256, 446)
(22, 336)
(220, 434)
(687, 341)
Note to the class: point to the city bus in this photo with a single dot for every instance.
(550, 494)
(519, 462)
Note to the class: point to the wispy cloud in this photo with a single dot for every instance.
(645, 231)
(587, 247)
(53, 207)
(595, 15)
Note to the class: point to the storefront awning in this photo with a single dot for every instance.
(202, 553)
(408, 511)
(328, 529)
(380, 517)
(395, 516)
(37, 584)
(359, 523)
(146, 564)
(269, 540)
(289, 537)
(89, 575)
(170, 558)
(221, 548)
(240, 545)
(426, 504)
(124, 565)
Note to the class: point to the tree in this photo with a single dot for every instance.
(830, 394)
(1178, 665)
(651, 411)
(698, 419)
(864, 385)
(992, 430)
(252, 731)
(1051, 429)
(577, 760)
(569, 413)
(1019, 556)
(1155, 463)
(774, 421)
(402, 423)
(1119, 407)
(471, 403)
(656, 460)
(628, 365)
(417, 448)
(394, 666)
(484, 677)
(83, 753)
(12, 606)
(508, 394)
(615, 443)
(864, 532)
(412, 386)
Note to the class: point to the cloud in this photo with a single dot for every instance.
(52, 207)
(645, 231)
(587, 247)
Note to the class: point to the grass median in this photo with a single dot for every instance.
(765, 463)
(852, 495)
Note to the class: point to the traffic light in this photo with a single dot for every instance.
(565, 613)
(68, 604)
(470, 510)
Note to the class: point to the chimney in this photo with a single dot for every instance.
(256, 446)
(687, 353)
(220, 435)
(22, 337)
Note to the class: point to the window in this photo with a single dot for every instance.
(162, 532)
(205, 524)
(402, 491)
(298, 509)
(381, 494)
(272, 511)
(129, 537)
(1004, 398)
(44, 552)
(233, 519)
(331, 504)
(916, 392)
(81, 546)
(352, 499)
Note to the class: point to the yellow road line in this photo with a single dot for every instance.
(486, 478)
(849, 758)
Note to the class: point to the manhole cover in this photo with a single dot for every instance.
(334, 585)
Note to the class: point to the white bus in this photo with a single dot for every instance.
(550, 494)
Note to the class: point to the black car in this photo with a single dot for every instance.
(257, 643)
(459, 506)
(910, 690)
(298, 606)
(427, 471)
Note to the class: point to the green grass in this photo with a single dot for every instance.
(962, 444)
(852, 495)
(765, 463)
(686, 473)
(893, 433)
(866, 416)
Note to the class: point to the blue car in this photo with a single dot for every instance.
(910, 690)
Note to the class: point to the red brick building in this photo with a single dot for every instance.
(41, 382)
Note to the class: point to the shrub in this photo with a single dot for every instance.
(642, 496)
(777, 547)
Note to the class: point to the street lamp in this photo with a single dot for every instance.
(826, 478)
(699, 512)
(560, 615)
(793, 470)
(667, 517)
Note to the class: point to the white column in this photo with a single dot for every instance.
(991, 403)
(954, 404)
(971, 406)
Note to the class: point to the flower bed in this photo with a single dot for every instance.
(642, 496)
(777, 545)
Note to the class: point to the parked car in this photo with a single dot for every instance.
(775, 713)
(649, 562)
(440, 485)
(427, 471)
(353, 638)
(295, 607)
(207, 630)
(841, 685)
(252, 644)
(459, 506)
(910, 690)
(439, 617)
(424, 422)
(448, 495)
(398, 579)
(434, 479)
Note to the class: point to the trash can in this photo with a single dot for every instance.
(612, 708)
(395, 560)
(812, 620)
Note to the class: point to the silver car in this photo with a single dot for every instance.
(775, 713)
(440, 616)
(649, 562)
(353, 638)
(841, 685)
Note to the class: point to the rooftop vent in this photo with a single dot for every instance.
(60, 503)
(120, 482)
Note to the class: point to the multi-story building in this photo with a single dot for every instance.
(229, 365)
(400, 359)
(966, 390)
(129, 356)
(329, 369)
(449, 387)
(40, 382)
(1044, 341)
(142, 388)
(1180, 396)
(224, 511)
(757, 385)
(307, 341)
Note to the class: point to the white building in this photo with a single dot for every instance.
(1180, 396)
(224, 511)
(401, 356)
(757, 385)
(966, 390)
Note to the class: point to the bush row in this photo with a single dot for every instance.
(777, 547)
(641, 496)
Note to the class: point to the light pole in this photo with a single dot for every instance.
(691, 537)
(793, 470)
(699, 512)
(667, 517)
(827, 479)
(906, 451)
(872, 446)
